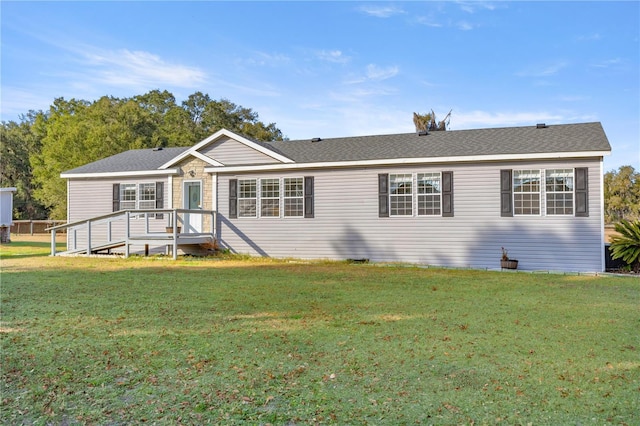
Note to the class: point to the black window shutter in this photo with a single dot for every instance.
(159, 198)
(116, 197)
(308, 196)
(447, 194)
(582, 191)
(506, 199)
(383, 195)
(233, 198)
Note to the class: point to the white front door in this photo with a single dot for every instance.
(192, 196)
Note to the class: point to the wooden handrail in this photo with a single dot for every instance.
(127, 214)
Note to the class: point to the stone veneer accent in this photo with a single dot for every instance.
(197, 166)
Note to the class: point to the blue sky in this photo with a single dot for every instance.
(329, 69)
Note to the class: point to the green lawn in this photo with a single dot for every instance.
(197, 341)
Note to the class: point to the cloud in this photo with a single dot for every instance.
(608, 63)
(543, 70)
(140, 69)
(377, 73)
(266, 59)
(464, 26)
(381, 11)
(335, 56)
(472, 7)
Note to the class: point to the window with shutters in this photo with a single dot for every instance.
(564, 192)
(294, 197)
(559, 191)
(401, 194)
(247, 198)
(141, 196)
(429, 194)
(415, 194)
(277, 197)
(526, 192)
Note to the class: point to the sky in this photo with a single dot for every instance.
(333, 69)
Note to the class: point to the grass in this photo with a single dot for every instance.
(248, 341)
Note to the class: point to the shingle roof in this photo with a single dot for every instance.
(131, 161)
(514, 141)
(453, 143)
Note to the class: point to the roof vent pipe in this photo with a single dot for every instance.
(541, 126)
(423, 133)
(316, 139)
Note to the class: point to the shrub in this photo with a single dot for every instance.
(627, 244)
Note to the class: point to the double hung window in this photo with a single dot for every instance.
(526, 192)
(429, 194)
(247, 198)
(559, 191)
(293, 197)
(270, 197)
(401, 194)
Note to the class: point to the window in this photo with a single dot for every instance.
(270, 197)
(247, 196)
(429, 193)
(559, 191)
(434, 194)
(401, 194)
(147, 198)
(293, 197)
(128, 196)
(143, 196)
(565, 192)
(295, 194)
(526, 192)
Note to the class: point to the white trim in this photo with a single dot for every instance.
(214, 191)
(231, 135)
(120, 174)
(206, 159)
(402, 161)
(170, 192)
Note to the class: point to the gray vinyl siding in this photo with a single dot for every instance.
(94, 197)
(346, 223)
(230, 152)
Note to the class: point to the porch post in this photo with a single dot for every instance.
(53, 242)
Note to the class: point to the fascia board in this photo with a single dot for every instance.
(167, 172)
(224, 132)
(401, 161)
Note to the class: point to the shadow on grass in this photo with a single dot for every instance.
(24, 249)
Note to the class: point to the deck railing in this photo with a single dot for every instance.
(177, 227)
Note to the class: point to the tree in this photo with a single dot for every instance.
(428, 123)
(17, 141)
(621, 195)
(76, 132)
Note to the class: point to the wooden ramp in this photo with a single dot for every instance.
(111, 238)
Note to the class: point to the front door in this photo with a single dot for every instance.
(192, 197)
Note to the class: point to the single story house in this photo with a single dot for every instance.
(448, 198)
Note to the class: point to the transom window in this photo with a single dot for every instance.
(247, 198)
(401, 194)
(293, 197)
(429, 194)
(559, 191)
(526, 192)
(270, 197)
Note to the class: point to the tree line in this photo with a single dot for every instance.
(43, 144)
